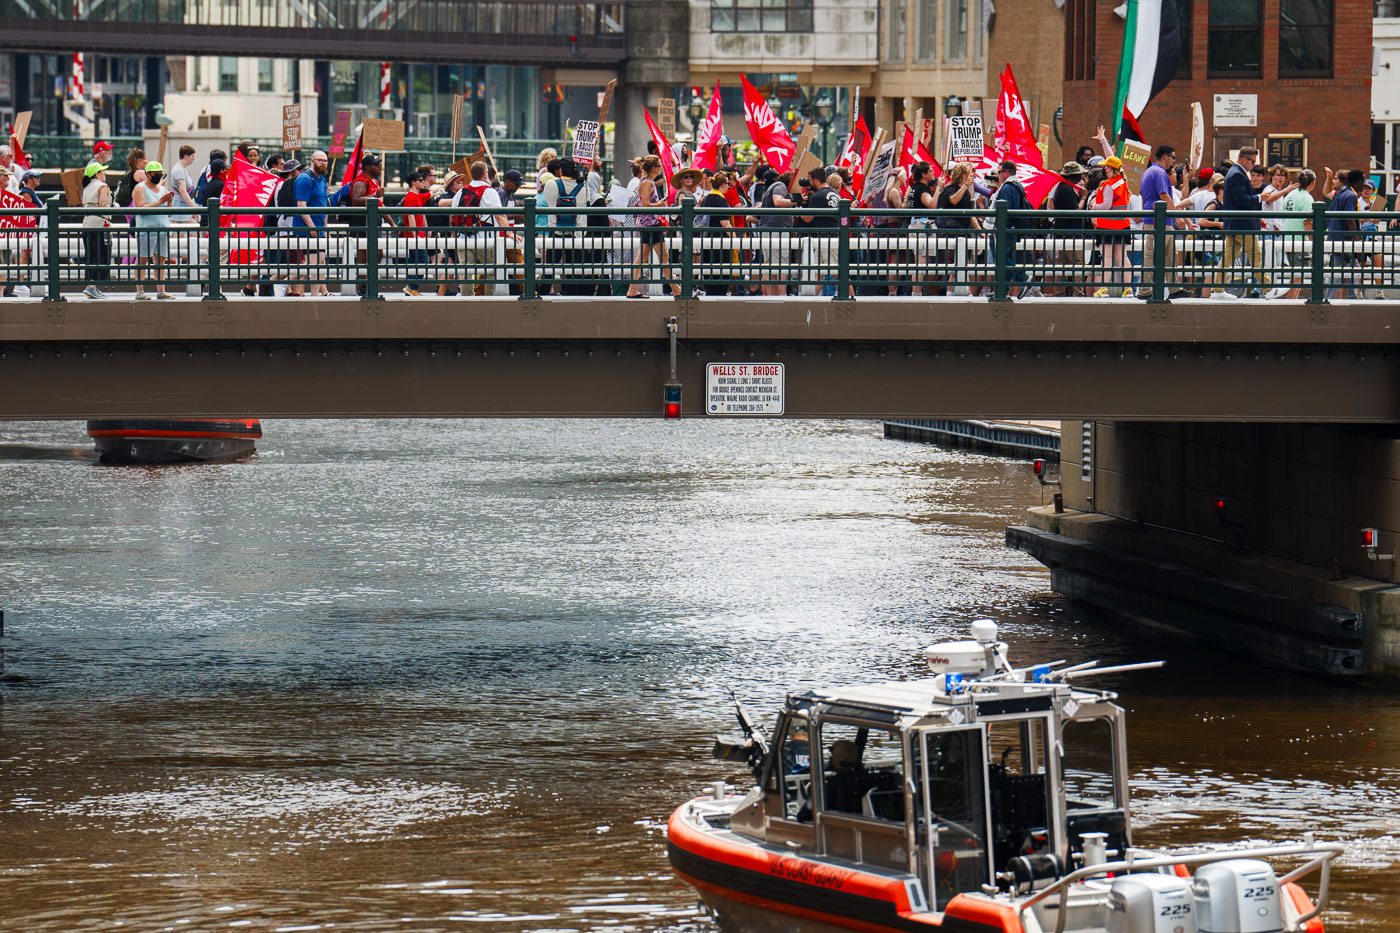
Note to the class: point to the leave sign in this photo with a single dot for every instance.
(745, 389)
(965, 138)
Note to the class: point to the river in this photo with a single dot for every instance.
(454, 675)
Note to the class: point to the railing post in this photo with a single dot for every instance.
(1317, 292)
(52, 236)
(687, 248)
(212, 219)
(843, 250)
(371, 249)
(531, 289)
(1159, 252)
(1000, 285)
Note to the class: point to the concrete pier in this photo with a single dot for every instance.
(1029, 439)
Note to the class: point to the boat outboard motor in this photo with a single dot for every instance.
(1151, 904)
(1238, 896)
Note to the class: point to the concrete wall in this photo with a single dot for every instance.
(1299, 491)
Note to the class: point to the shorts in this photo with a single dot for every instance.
(652, 236)
(1110, 238)
(150, 245)
(777, 247)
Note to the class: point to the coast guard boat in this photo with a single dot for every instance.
(184, 440)
(983, 798)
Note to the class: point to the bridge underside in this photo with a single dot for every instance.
(480, 357)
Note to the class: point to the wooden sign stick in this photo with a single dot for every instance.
(489, 158)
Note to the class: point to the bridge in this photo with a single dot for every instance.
(548, 32)
(911, 357)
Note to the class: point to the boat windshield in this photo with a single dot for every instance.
(953, 796)
(862, 771)
(1087, 765)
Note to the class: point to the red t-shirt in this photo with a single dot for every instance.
(415, 199)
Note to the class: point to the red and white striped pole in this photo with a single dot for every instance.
(78, 93)
(384, 94)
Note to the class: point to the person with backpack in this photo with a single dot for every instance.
(566, 191)
(309, 190)
(1011, 191)
(135, 175)
(477, 228)
(444, 194)
(201, 185)
(365, 185)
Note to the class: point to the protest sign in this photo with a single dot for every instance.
(585, 142)
(291, 127)
(384, 135)
(879, 175)
(1198, 136)
(22, 126)
(605, 105)
(338, 134)
(965, 138)
(73, 186)
(1136, 157)
(491, 160)
(666, 117)
(456, 117)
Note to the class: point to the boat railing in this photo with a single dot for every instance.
(1323, 852)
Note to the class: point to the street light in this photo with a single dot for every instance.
(952, 107)
(824, 108)
(696, 112)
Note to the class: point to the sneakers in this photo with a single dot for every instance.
(164, 295)
(92, 291)
(411, 292)
(1273, 293)
(142, 296)
(1224, 296)
(1101, 293)
(248, 291)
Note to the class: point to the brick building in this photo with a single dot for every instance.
(1259, 68)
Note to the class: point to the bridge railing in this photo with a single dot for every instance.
(684, 250)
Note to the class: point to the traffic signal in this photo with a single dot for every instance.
(671, 400)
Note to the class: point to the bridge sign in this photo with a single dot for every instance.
(745, 389)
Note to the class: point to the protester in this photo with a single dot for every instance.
(715, 257)
(1014, 194)
(477, 227)
(7, 165)
(1156, 185)
(825, 245)
(309, 225)
(775, 236)
(1066, 196)
(133, 177)
(415, 228)
(97, 242)
(1297, 207)
(1241, 233)
(1342, 231)
(922, 197)
(1111, 195)
(152, 236)
(651, 229)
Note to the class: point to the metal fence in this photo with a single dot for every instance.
(687, 251)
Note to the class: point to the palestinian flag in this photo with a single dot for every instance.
(1151, 53)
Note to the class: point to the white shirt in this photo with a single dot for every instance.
(1276, 205)
(489, 198)
(1135, 204)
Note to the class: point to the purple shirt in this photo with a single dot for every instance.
(1155, 183)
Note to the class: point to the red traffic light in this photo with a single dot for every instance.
(1220, 506)
(1370, 538)
(671, 400)
(1038, 467)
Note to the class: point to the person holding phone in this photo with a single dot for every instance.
(152, 230)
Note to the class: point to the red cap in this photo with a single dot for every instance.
(101, 146)
(1206, 172)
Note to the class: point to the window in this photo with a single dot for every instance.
(928, 31)
(979, 28)
(957, 31)
(1234, 38)
(790, 770)
(862, 771)
(760, 15)
(264, 75)
(895, 29)
(1305, 37)
(1087, 764)
(952, 795)
(228, 75)
(198, 73)
(1079, 40)
(1183, 24)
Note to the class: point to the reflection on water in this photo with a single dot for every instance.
(447, 675)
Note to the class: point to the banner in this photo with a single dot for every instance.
(707, 142)
(585, 142)
(1013, 133)
(8, 201)
(248, 186)
(669, 165)
(965, 143)
(766, 130)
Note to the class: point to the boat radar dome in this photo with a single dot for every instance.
(975, 657)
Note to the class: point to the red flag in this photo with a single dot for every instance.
(1014, 138)
(669, 163)
(247, 186)
(1037, 181)
(924, 156)
(8, 201)
(707, 152)
(352, 168)
(21, 159)
(766, 129)
(857, 145)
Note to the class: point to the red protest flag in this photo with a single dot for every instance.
(766, 130)
(1037, 181)
(857, 145)
(1014, 138)
(707, 150)
(352, 168)
(247, 186)
(669, 164)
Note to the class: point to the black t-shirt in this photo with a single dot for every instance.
(713, 199)
(214, 189)
(915, 200)
(823, 199)
(945, 202)
(1065, 197)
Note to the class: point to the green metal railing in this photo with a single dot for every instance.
(684, 250)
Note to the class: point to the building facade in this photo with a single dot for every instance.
(1292, 77)
(1385, 95)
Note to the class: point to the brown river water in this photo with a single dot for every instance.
(455, 675)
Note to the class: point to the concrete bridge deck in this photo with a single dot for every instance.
(607, 357)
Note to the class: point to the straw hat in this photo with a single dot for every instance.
(692, 173)
(449, 178)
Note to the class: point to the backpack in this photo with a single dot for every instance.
(200, 187)
(566, 199)
(469, 196)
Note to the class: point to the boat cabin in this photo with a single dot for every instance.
(961, 783)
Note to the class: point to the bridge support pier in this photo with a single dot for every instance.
(1244, 533)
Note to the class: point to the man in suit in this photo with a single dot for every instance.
(1241, 233)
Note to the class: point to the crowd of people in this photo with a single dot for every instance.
(757, 230)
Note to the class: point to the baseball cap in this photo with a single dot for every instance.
(1096, 161)
(1369, 183)
(1113, 162)
(92, 169)
(101, 146)
(513, 174)
(154, 166)
(30, 173)
(1206, 173)
(371, 159)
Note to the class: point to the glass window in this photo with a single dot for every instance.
(1016, 769)
(760, 15)
(1234, 38)
(953, 796)
(264, 75)
(895, 46)
(862, 771)
(928, 31)
(957, 31)
(790, 774)
(1087, 764)
(228, 75)
(1183, 23)
(198, 73)
(1305, 37)
(978, 27)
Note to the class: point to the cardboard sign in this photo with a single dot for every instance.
(1136, 158)
(384, 135)
(586, 142)
(291, 127)
(338, 134)
(870, 154)
(1198, 136)
(666, 117)
(72, 186)
(965, 142)
(160, 147)
(605, 105)
(22, 126)
(926, 133)
(879, 176)
(456, 117)
(485, 147)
